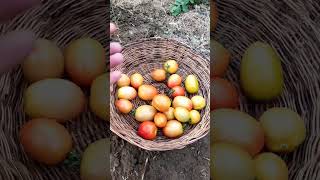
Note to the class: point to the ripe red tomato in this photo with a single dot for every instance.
(174, 80)
(178, 91)
(148, 130)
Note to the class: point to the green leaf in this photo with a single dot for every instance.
(185, 8)
(192, 1)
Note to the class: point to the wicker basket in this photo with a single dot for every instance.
(144, 56)
(292, 28)
(60, 21)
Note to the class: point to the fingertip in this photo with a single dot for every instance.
(113, 28)
(115, 76)
(115, 47)
(116, 59)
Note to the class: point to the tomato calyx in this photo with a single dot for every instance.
(73, 160)
(132, 112)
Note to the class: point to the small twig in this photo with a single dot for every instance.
(144, 168)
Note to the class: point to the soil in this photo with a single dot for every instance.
(138, 19)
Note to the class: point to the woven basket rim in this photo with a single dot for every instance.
(178, 145)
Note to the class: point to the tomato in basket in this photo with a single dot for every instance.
(148, 130)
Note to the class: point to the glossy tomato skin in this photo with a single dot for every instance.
(136, 80)
(160, 120)
(145, 113)
(161, 102)
(198, 102)
(158, 75)
(194, 117)
(174, 80)
(124, 105)
(123, 81)
(45, 140)
(182, 101)
(170, 113)
(147, 92)
(192, 84)
(223, 94)
(171, 66)
(181, 114)
(85, 60)
(148, 130)
(127, 92)
(178, 91)
(173, 129)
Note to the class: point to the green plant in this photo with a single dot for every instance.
(181, 6)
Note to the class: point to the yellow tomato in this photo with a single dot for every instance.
(270, 166)
(145, 113)
(284, 129)
(136, 80)
(54, 98)
(99, 98)
(198, 102)
(169, 113)
(181, 114)
(127, 92)
(45, 61)
(192, 84)
(123, 81)
(171, 66)
(85, 60)
(161, 102)
(194, 116)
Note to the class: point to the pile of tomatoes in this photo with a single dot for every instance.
(162, 111)
(55, 96)
(242, 146)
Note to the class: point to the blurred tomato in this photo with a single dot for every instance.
(45, 140)
(220, 59)
(160, 120)
(171, 66)
(45, 61)
(145, 113)
(85, 59)
(148, 130)
(161, 102)
(182, 101)
(147, 92)
(124, 105)
(98, 99)
(223, 94)
(158, 75)
(178, 91)
(127, 92)
(174, 80)
(123, 81)
(173, 129)
(136, 80)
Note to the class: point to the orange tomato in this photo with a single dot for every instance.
(171, 66)
(174, 80)
(223, 94)
(161, 102)
(148, 130)
(136, 80)
(45, 61)
(178, 91)
(160, 120)
(85, 59)
(127, 92)
(158, 75)
(46, 141)
(124, 105)
(123, 81)
(182, 101)
(173, 129)
(170, 113)
(147, 92)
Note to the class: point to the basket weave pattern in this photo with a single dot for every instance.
(60, 21)
(293, 29)
(144, 56)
